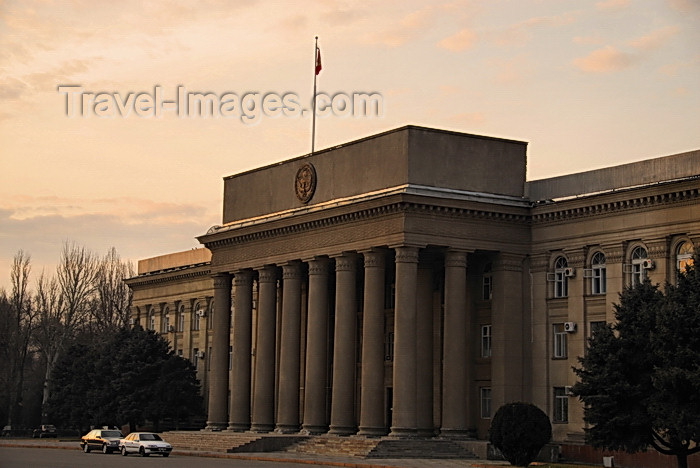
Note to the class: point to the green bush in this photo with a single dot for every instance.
(519, 431)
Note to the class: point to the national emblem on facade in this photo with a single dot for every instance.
(305, 182)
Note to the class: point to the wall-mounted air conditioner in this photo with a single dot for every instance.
(570, 327)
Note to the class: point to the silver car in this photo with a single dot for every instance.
(145, 444)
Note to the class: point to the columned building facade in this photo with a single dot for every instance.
(412, 282)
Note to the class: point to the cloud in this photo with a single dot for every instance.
(42, 224)
(520, 33)
(460, 41)
(685, 6)
(409, 27)
(588, 40)
(655, 39)
(606, 59)
(469, 118)
(612, 5)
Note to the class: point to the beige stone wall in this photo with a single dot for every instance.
(654, 217)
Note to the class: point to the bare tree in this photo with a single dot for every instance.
(65, 304)
(48, 302)
(112, 300)
(19, 327)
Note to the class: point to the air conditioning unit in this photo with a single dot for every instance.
(648, 264)
(202, 313)
(569, 390)
(570, 327)
(200, 355)
(570, 272)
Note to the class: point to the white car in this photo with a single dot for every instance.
(145, 444)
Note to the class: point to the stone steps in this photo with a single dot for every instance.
(420, 448)
(209, 441)
(326, 445)
(348, 446)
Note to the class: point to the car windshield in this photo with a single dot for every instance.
(150, 437)
(111, 434)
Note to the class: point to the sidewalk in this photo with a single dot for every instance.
(286, 457)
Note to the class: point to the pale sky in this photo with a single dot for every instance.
(587, 84)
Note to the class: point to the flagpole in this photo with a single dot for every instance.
(313, 100)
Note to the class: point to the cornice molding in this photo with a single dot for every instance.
(401, 207)
(166, 277)
(613, 207)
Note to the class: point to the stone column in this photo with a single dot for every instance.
(242, 320)
(424, 351)
(343, 399)
(264, 389)
(288, 405)
(218, 382)
(455, 361)
(507, 309)
(315, 421)
(404, 413)
(372, 389)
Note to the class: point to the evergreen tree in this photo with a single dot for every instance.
(640, 378)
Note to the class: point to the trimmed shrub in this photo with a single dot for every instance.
(519, 431)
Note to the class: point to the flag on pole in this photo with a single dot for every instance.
(318, 61)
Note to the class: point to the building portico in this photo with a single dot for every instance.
(410, 283)
(338, 264)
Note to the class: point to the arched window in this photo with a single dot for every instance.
(181, 319)
(487, 283)
(598, 275)
(165, 327)
(639, 272)
(684, 255)
(561, 281)
(152, 320)
(210, 318)
(198, 313)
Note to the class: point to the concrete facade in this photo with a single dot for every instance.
(411, 282)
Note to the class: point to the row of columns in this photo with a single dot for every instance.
(413, 349)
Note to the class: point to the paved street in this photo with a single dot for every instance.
(47, 453)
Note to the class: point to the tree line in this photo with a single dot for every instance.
(81, 306)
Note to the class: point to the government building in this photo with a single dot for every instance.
(411, 282)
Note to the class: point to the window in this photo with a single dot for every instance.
(487, 283)
(684, 255)
(639, 273)
(230, 357)
(197, 316)
(181, 320)
(209, 359)
(152, 320)
(179, 352)
(210, 315)
(485, 397)
(561, 282)
(195, 358)
(598, 277)
(390, 295)
(486, 341)
(389, 347)
(559, 341)
(561, 405)
(166, 321)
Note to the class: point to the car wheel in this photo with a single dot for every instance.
(86, 448)
(124, 452)
(143, 453)
(166, 455)
(105, 449)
